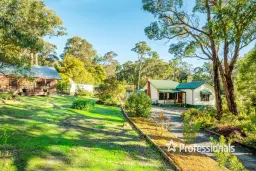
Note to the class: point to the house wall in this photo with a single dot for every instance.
(154, 92)
(197, 97)
(86, 87)
(26, 83)
(189, 96)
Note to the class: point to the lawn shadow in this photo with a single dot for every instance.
(28, 145)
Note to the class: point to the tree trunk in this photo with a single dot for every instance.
(231, 95)
(225, 86)
(139, 70)
(217, 89)
(229, 89)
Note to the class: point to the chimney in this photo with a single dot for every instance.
(148, 87)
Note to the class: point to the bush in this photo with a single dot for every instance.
(6, 96)
(81, 92)
(138, 104)
(83, 104)
(111, 92)
(224, 157)
(191, 125)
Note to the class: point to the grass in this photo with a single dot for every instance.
(45, 134)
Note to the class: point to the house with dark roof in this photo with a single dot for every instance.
(39, 80)
(196, 93)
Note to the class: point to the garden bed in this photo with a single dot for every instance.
(181, 161)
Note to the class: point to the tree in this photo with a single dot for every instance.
(98, 73)
(179, 70)
(234, 23)
(154, 68)
(74, 68)
(48, 55)
(111, 91)
(246, 82)
(128, 74)
(212, 27)
(143, 50)
(23, 24)
(109, 63)
(80, 49)
(203, 73)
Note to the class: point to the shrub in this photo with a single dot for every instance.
(6, 96)
(191, 125)
(224, 157)
(111, 91)
(81, 92)
(83, 104)
(138, 104)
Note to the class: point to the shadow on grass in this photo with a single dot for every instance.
(23, 119)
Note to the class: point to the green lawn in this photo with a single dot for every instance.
(51, 136)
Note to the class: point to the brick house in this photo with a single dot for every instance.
(40, 80)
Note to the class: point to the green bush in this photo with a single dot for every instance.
(83, 104)
(111, 92)
(191, 125)
(6, 96)
(138, 104)
(224, 157)
(81, 92)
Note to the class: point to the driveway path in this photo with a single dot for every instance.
(203, 139)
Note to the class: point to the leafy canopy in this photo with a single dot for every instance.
(23, 24)
(75, 70)
(80, 49)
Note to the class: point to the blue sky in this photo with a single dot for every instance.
(109, 25)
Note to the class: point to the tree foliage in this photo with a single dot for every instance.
(109, 63)
(143, 51)
(48, 55)
(111, 91)
(203, 73)
(212, 30)
(153, 68)
(246, 82)
(74, 69)
(80, 49)
(23, 24)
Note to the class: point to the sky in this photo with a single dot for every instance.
(109, 25)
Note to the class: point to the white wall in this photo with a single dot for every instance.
(73, 86)
(189, 97)
(86, 87)
(153, 91)
(197, 97)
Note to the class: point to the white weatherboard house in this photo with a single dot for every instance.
(198, 93)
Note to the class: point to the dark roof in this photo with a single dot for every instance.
(190, 85)
(36, 72)
(164, 84)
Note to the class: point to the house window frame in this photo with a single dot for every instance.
(162, 96)
(205, 98)
(40, 83)
(11, 80)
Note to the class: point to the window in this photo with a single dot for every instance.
(162, 96)
(205, 97)
(171, 96)
(40, 83)
(13, 82)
